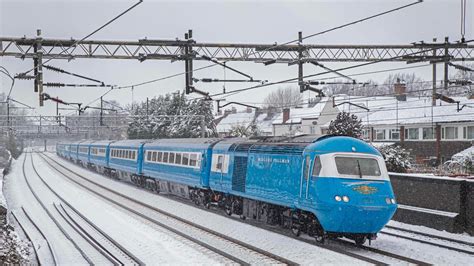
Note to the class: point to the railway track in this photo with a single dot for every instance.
(431, 237)
(41, 257)
(87, 243)
(235, 251)
(336, 246)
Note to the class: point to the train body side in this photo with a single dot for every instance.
(125, 156)
(99, 153)
(183, 161)
(265, 172)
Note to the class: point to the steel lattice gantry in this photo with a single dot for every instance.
(175, 50)
(188, 50)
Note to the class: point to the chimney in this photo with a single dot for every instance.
(286, 114)
(400, 90)
(234, 110)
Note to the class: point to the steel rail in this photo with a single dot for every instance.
(430, 243)
(189, 223)
(50, 215)
(431, 235)
(27, 237)
(53, 255)
(120, 247)
(383, 252)
(91, 240)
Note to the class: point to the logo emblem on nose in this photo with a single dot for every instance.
(365, 189)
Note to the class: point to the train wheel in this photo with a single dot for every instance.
(228, 209)
(321, 239)
(360, 240)
(296, 229)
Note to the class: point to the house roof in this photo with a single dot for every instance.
(232, 119)
(415, 110)
(418, 110)
(305, 112)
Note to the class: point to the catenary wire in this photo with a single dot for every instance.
(89, 35)
(305, 37)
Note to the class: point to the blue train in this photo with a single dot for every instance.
(326, 186)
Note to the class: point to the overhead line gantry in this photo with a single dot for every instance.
(189, 50)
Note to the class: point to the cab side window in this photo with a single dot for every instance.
(316, 166)
(306, 167)
(220, 162)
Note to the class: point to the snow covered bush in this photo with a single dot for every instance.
(346, 124)
(461, 162)
(396, 158)
(13, 251)
(244, 131)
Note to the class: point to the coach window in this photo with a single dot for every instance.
(165, 157)
(185, 158)
(178, 158)
(148, 155)
(171, 159)
(153, 158)
(316, 166)
(193, 159)
(160, 157)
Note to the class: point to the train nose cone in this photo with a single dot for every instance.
(356, 219)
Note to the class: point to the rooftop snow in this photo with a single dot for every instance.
(235, 119)
(298, 114)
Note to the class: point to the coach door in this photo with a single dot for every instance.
(305, 180)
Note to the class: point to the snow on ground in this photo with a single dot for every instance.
(427, 230)
(18, 195)
(289, 248)
(3, 202)
(146, 242)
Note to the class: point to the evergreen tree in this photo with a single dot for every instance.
(172, 116)
(346, 124)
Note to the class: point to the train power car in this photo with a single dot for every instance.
(325, 186)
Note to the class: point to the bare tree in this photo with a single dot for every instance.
(283, 98)
(415, 85)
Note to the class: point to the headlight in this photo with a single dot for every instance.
(338, 198)
(345, 198)
(393, 201)
(388, 200)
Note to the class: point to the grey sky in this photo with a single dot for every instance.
(213, 21)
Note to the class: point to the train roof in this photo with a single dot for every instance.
(129, 143)
(329, 144)
(86, 142)
(187, 142)
(102, 142)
